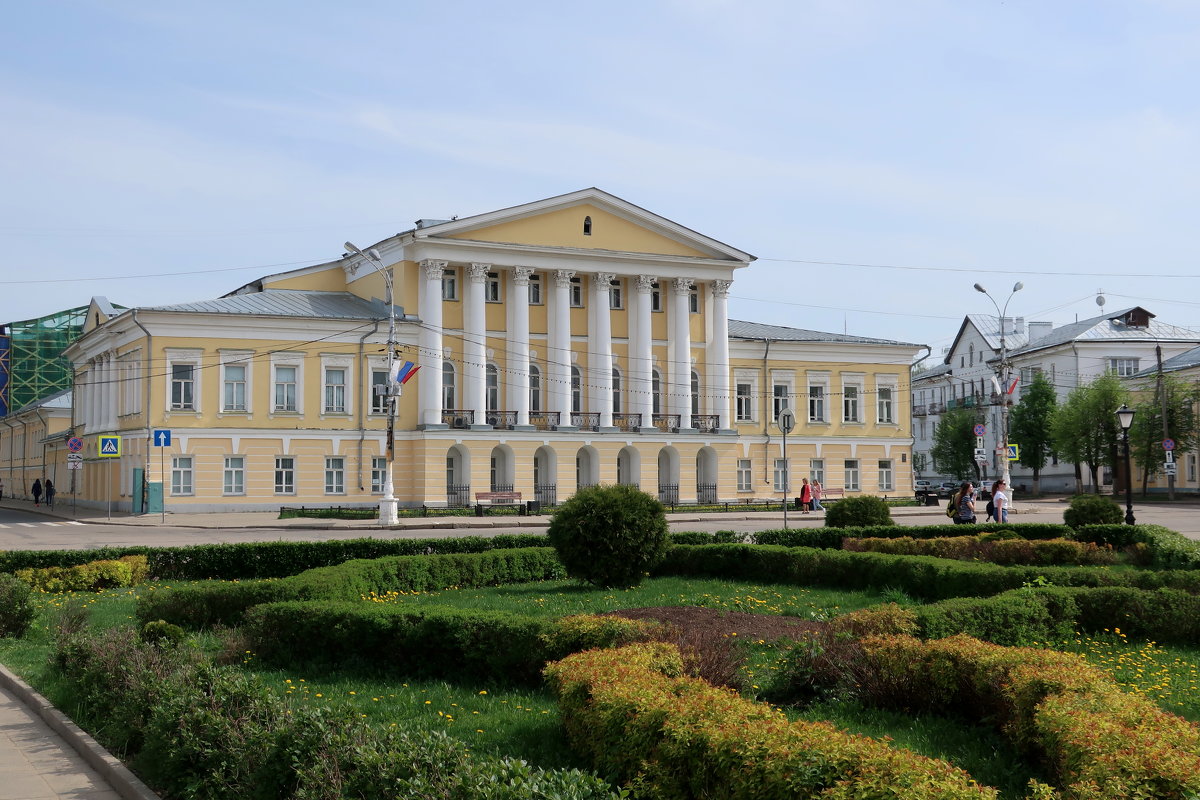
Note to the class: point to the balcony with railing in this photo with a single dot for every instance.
(503, 420)
(458, 417)
(708, 423)
(585, 421)
(544, 420)
(667, 423)
(627, 422)
(920, 411)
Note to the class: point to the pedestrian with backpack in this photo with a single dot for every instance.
(963, 505)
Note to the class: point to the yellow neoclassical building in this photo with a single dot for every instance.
(567, 342)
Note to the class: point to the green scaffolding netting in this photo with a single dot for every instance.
(36, 366)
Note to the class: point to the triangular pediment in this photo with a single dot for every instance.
(588, 219)
(99, 311)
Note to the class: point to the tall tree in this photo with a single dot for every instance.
(1146, 435)
(1085, 429)
(1029, 427)
(953, 448)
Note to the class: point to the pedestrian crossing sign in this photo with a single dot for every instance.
(109, 447)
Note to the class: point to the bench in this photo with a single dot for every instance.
(497, 498)
(828, 493)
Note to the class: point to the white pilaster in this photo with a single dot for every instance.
(430, 382)
(518, 341)
(475, 342)
(559, 357)
(600, 346)
(681, 338)
(642, 361)
(719, 349)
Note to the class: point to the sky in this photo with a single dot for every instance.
(878, 157)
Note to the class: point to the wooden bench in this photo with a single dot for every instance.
(828, 493)
(498, 498)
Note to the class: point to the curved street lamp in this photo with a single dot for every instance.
(1004, 471)
(1125, 420)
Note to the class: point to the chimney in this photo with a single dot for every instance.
(1019, 325)
(1039, 330)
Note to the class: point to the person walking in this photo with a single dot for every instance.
(805, 497)
(998, 503)
(36, 490)
(49, 493)
(964, 502)
(1, 488)
(816, 495)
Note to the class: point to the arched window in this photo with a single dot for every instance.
(587, 226)
(535, 388)
(695, 393)
(656, 391)
(616, 387)
(576, 390)
(448, 393)
(492, 390)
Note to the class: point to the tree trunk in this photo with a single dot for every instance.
(1078, 478)
(1094, 474)
(1037, 483)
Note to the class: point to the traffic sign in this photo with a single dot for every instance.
(981, 452)
(74, 444)
(73, 457)
(1168, 444)
(1169, 468)
(108, 446)
(1170, 455)
(74, 465)
(1014, 452)
(980, 429)
(162, 438)
(787, 420)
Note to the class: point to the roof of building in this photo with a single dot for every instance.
(739, 329)
(989, 328)
(59, 400)
(1107, 327)
(936, 371)
(1189, 358)
(288, 303)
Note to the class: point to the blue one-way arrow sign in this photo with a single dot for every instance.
(162, 438)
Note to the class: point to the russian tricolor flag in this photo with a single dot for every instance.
(402, 371)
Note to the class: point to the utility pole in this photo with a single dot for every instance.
(1162, 394)
(1004, 469)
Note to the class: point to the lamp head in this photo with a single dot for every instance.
(1125, 417)
(1018, 286)
(350, 248)
(374, 254)
(979, 288)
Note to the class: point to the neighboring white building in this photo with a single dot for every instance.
(1070, 355)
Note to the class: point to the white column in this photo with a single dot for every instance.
(114, 391)
(430, 382)
(107, 420)
(559, 357)
(89, 399)
(681, 337)
(518, 341)
(475, 342)
(600, 345)
(642, 361)
(718, 350)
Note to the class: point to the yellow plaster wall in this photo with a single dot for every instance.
(331, 279)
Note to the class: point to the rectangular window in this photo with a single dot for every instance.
(378, 399)
(335, 475)
(285, 475)
(886, 481)
(614, 295)
(234, 478)
(181, 475)
(852, 475)
(378, 473)
(885, 405)
(1124, 367)
(234, 396)
(576, 290)
(816, 470)
(744, 477)
(656, 303)
(491, 288)
(335, 391)
(535, 290)
(449, 285)
(816, 404)
(850, 404)
(781, 475)
(285, 388)
(183, 386)
(745, 405)
(779, 399)
(1191, 467)
(694, 300)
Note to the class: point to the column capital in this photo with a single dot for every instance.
(683, 286)
(562, 277)
(433, 269)
(645, 283)
(604, 279)
(521, 275)
(478, 272)
(720, 288)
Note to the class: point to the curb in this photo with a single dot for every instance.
(116, 774)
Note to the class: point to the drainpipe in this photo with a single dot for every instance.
(362, 424)
(24, 452)
(12, 441)
(45, 433)
(768, 393)
(912, 429)
(149, 428)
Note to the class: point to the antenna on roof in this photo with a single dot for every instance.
(1100, 301)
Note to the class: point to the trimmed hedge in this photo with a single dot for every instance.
(250, 560)
(922, 577)
(636, 720)
(1168, 549)
(224, 602)
(94, 576)
(1000, 551)
(1096, 740)
(496, 646)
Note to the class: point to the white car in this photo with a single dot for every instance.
(922, 487)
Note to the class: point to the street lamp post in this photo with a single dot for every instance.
(1004, 470)
(1125, 419)
(388, 514)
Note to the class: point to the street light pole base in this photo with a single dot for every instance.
(388, 514)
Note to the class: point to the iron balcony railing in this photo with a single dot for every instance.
(585, 421)
(627, 422)
(668, 494)
(706, 493)
(709, 423)
(504, 420)
(458, 417)
(667, 423)
(543, 420)
(545, 494)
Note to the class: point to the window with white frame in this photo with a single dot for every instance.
(615, 298)
(816, 471)
(492, 387)
(535, 289)
(576, 390)
(378, 473)
(335, 390)
(885, 412)
(450, 284)
(780, 398)
(379, 400)
(233, 479)
(285, 475)
(448, 386)
(816, 403)
(183, 387)
(491, 288)
(850, 398)
(852, 482)
(781, 475)
(535, 388)
(233, 387)
(655, 392)
(285, 382)
(335, 475)
(695, 387)
(616, 391)
(744, 402)
(1124, 367)
(181, 476)
(694, 300)
(745, 477)
(576, 292)
(887, 481)
(131, 385)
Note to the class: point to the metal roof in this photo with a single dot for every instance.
(989, 328)
(1190, 358)
(739, 329)
(60, 399)
(288, 303)
(1108, 327)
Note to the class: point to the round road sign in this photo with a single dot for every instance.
(980, 430)
(74, 444)
(786, 421)
(1168, 444)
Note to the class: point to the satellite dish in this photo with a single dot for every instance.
(1100, 301)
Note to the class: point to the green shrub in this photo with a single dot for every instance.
(94, 576)
(1166, 549)
(16, 607)
(1092, 509)
(609, 535)
(161, 633)
(858, 511)
(997, 550)
(825, 538)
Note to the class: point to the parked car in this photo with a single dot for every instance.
(923, 487)
(947, 488)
